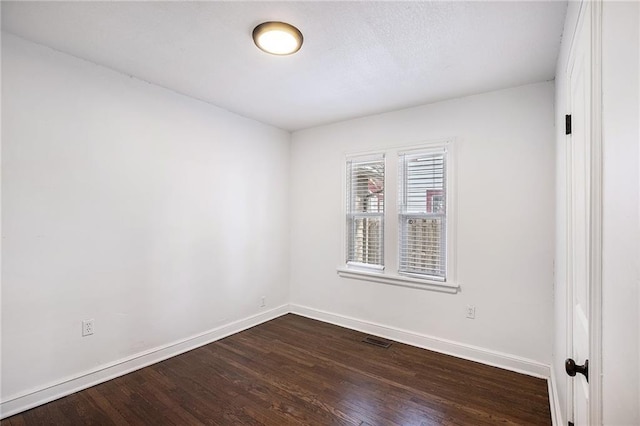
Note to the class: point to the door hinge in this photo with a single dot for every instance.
(570, 423)
(567, 124)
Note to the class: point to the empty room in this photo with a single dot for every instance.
(318, 213)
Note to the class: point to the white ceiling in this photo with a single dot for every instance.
(358, 58)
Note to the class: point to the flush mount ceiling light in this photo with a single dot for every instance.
(277, 38)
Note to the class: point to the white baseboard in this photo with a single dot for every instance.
(554, 402)
(27, 400)
(460, 350)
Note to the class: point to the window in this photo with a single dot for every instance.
(422, 215)
(419, 239)
(365, 212)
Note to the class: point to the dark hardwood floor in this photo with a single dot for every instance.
(294, 370)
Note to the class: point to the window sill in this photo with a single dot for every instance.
(398, 280)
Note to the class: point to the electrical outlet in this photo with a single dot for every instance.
(263, 301)
(87, 327)
(471, 311)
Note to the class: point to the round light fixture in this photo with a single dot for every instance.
(277, 38)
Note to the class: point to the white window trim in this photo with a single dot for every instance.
(400, 280)
(357, 266)
(389, 273)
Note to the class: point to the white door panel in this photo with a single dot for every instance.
(579, 73)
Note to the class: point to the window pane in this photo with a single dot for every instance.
(367, 187)
(423, 245)
(422, 219)
(365, 210)
(425, 184)
(365, 236)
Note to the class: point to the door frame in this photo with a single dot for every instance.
(592, 10)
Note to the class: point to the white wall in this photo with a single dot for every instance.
(157, 215)
(505, 147)
(621, 224)
(621, 229)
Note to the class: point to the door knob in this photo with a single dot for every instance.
(572, 368)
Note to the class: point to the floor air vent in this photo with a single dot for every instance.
(376, 341)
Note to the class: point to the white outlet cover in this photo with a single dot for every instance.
(87, 327)
(471, 312)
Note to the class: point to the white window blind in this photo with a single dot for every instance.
(423, 214)
(365, 211)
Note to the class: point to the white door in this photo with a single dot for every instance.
(579, 157)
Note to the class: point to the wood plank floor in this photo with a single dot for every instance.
(294, 370)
